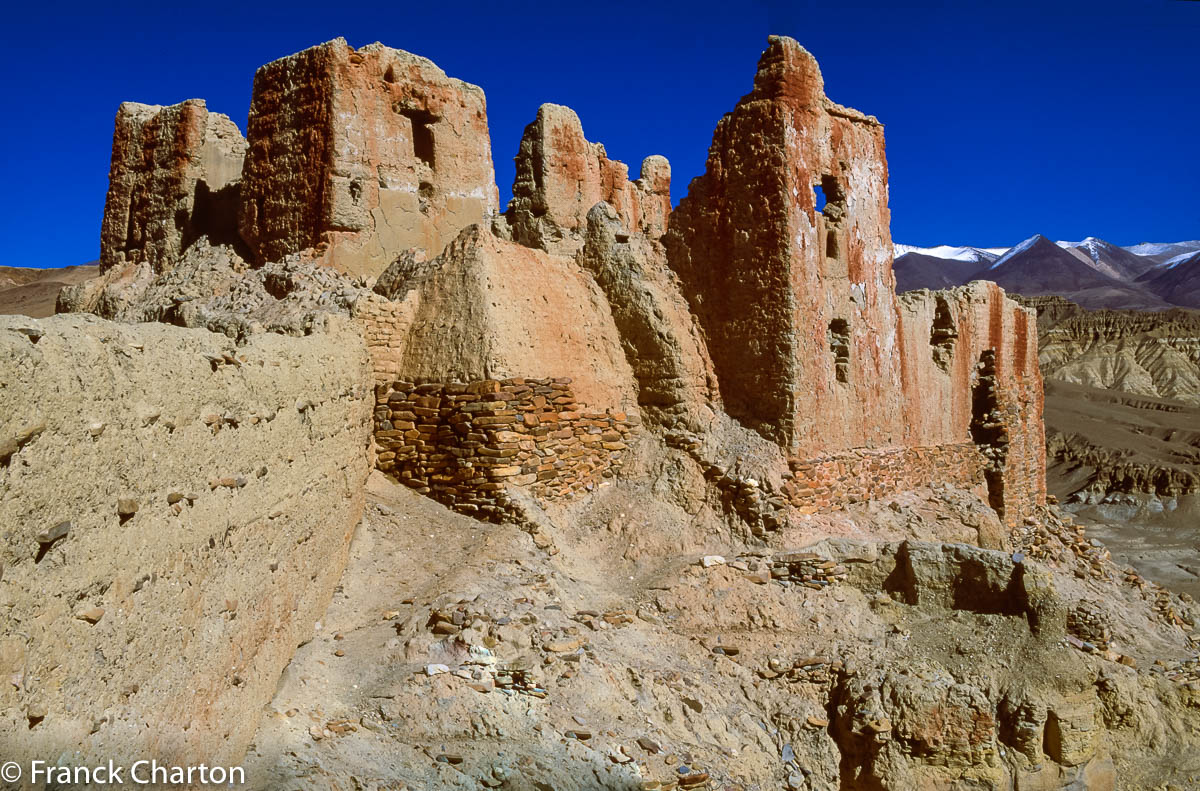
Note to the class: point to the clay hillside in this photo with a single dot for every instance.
(340, 474)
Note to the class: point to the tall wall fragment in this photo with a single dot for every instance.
(784, 254)
(796, 298)
(173, 177)
(561, 176)
(361, 154)
(970, 367)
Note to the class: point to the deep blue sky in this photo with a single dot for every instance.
(1003, 120)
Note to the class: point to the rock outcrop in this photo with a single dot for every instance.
(561, 176)
(356, 155)
(177, 511)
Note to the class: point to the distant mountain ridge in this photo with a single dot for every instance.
(1092, 272)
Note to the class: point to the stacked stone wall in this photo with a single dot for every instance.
(384, 325)
(828, 483)
(465, 443)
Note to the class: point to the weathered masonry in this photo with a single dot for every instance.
(766, 296)
(463, 443)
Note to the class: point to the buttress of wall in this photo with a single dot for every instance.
(797, 303)
(966, 353)
(385, 325)
(488, 308)
(362, 154)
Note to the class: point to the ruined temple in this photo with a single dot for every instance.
(764, 302)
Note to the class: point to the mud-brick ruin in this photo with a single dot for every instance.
(750, 300)
(718, 486)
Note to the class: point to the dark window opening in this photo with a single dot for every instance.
(832, 189)
(390, 74)
(422, 134)
(839, 346)
(831, 245)
(423, 143)
(424, 195)
(943, 335)
(356, 190)
(831, 199)
(989, 430)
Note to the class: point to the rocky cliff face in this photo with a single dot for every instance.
(177, 511)
(1125, 387)
(1153, 354)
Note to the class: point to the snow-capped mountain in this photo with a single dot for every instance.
(1093, 272)
(1108, 259)
(1177, 280)
(1182, 258)
(950, 253)
(1163, 251)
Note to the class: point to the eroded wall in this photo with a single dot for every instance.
(174, 179)
(797, 300)
(784, 254)
(970, 367)
(560, 176)
(357, 155)
(488, 308)
(177, 511)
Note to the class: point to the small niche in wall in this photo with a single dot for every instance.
(839, 347)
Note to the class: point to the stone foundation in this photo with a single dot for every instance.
(828, 483)
(464, 443)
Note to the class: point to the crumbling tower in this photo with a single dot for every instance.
(173, 178)
(785, 255)
(357, 155)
